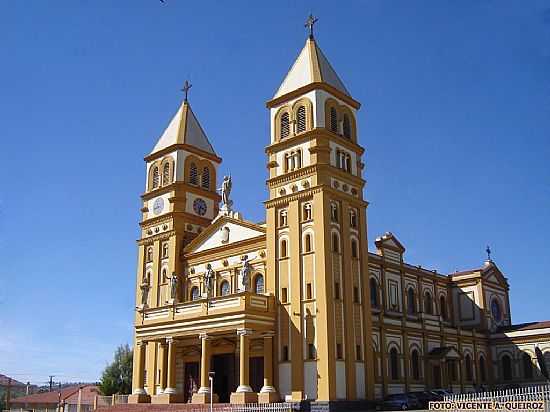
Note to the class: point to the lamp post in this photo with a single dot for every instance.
(211, 375)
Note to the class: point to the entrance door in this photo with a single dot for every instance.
(224, 379)
(437, 376)
(191, 379)
(256, 368)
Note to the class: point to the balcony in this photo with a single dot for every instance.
(226, 313)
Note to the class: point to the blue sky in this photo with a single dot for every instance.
(455, 122)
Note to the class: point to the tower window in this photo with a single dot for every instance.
(337, 290)
(166, 174)
(307, 243)
(333, 120)
(283, 249)
(358, 353)
(193, 174)
(353, 218)
(283, 218)
(285, 125)
(301, 120)
(149, 254)
(205, 183)
(293, 160)
(309, 293)
(335, 243)
(307, 211)
(334, 212)
(356, 298)
(347, 126)
(284, 295)
(373, 293)
(285, 353)
(156, 177)
(165, 249)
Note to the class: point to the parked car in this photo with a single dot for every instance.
(400, 402)
(440, 393)
(424, 397)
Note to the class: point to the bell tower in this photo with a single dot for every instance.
(179, 201)
(317, 234)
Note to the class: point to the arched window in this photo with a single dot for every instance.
(259, 283)
(166, 174)
(333, 120)
(411, 305)
(165, 249)
(334, 212)
(307, 211)
(195, 293)
(205, 179)
(347, 126)
(482, 373)
(283, 218)
(506, 363)
(149, 254)
(156, 177)
(301, 119)
(335, 243)
(353, 218)
(285, 125)
(373, 293)
(193, 174)
(428, 303)
(394, 364)
(527, 366)
(225, 288)
(415, 364)
(164, 277)
(495, 310)
(469, 370)
(307, 243)
(283, 248)
(354, 253)
(443, 307)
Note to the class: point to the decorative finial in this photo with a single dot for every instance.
(185, 89)
(488, 250)
(311, 20)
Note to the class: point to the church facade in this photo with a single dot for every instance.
(297, 308)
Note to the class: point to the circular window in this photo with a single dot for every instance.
(495, 310)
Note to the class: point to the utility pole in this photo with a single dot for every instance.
(51, 382)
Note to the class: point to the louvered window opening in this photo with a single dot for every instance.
(301, 120)
(285, 125)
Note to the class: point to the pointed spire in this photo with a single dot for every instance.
(184, 128)
(311, 66)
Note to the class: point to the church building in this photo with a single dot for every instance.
(296, 308)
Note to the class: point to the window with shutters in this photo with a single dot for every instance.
(205, 183)
(285, 125)
(347, 126)
(156, 177)
(333, 120)
(166, 174)
(193, 174)
(301, 119)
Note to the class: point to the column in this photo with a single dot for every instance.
(244, 392)
(163, 360)
(138, 394)
(203, 395)
(169, 395)
(268, 393)
(171, 383)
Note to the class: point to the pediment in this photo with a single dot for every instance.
(493, 274)
(390, 241)
(223, 232)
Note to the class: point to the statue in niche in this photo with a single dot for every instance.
(209, 280)
(145, 287)
(173, 286)
(245, 274)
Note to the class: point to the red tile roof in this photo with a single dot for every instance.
(68, 394)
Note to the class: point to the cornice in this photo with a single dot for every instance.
(182, 146)
(312, 86)
(283, 200)
(152, 239)
(231, 249)
(173, 215)
(175, 186)
(291, 176)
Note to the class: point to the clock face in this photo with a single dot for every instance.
(199, 206)
(158, 206)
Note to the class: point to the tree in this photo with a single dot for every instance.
(117, 377)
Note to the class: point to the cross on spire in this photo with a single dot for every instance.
(185, 89)
(488, 250)
(310, 22)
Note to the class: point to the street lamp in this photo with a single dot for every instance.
(211, 375)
